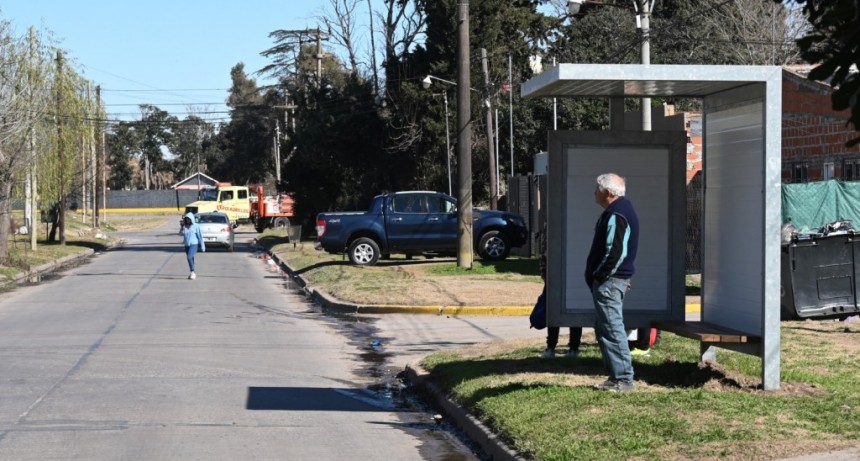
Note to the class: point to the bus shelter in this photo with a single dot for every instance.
(741, 200)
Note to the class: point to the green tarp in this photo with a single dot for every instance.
(810, 206)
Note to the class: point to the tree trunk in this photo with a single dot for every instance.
(5, 217)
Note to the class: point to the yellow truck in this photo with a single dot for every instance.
(246, 204)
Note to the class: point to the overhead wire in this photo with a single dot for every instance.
(344, 104)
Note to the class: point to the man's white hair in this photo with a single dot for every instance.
(613, 183)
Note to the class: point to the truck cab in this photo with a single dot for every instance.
(231, 200)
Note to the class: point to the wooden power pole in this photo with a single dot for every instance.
(464, 141)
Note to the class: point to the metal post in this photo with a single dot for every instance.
(448, 143)
(494, 185)
(498, 159)
(554, 108)
(464, 141)
(643, 18)
(198, 175)
(511, 108)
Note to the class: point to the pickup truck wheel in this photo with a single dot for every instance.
(493, 246)
(363, 252)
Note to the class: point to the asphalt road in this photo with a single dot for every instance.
(123, 357)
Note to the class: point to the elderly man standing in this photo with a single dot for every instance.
(607, 272)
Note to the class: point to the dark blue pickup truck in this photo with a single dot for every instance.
(415, 223)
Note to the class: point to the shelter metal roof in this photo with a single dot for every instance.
(635, 80)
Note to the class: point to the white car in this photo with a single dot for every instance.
(216, 229)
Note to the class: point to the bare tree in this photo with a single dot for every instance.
(341, 25)
(403, 23)
(762, 32)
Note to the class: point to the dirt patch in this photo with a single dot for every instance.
(753, 450)
(841, 336)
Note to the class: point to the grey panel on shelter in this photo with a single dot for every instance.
(652, 164)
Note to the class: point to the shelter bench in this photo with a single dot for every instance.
(711, 336)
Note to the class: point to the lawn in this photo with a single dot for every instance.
(546, 409)
(79, 238)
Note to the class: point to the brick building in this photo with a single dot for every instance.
(813, 135)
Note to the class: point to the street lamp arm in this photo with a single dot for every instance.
(428, 80)
(574, 7)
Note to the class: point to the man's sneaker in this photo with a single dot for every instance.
(636, 352)
(192, 276)
(612, 385)
(548, 354)
(572, 354)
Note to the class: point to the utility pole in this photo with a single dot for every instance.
(319, 58)
(494, 185)
(288, 108)
(464, 141)
(511, 107)
(92, 177)
(32, 202)
(61, 219)
(277, 147)
(103, 167)
(84, 175)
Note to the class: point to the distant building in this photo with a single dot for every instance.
(193, 183)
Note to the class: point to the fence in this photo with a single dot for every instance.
(143, 200)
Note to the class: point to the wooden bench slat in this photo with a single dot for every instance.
(707, 332)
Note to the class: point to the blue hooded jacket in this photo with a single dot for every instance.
(191, 235)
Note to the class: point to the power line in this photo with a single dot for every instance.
(166, 90)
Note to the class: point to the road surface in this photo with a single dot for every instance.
(123, 357)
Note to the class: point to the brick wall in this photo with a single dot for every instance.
(812, 133)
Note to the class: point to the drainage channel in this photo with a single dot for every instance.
(441, 440)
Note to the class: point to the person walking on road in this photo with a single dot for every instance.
(608, 270)
(192, 238)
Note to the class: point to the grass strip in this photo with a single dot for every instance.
(681, 410)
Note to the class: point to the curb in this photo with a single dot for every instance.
(489, 442)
